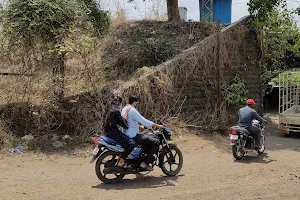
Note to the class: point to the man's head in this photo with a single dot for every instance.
(133, 100)
(250, 102)
(116, 101)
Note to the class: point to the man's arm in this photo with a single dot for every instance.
(145, 121)
(257, 117)
(142, 120)
(127, 111)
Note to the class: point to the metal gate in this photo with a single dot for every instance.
(289, 88)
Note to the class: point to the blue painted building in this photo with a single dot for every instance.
(221, 10)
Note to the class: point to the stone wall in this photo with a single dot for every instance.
(194, 72)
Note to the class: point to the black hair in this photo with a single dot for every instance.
(133, 99)
(116, 101)
(119, 99)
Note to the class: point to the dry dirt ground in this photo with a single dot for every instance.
(209, 172)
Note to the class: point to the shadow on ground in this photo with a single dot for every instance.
(252, 157)
(140, 182)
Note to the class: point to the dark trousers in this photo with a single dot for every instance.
(255, 132)
(126, 142)
(150, 142)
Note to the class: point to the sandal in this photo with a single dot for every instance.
(147, 168)
(124, 166)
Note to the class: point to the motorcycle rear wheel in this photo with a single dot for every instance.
(237, 150)
(109, 163)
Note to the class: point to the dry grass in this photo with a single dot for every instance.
(26, 106)
(4, 137)
(148, 43)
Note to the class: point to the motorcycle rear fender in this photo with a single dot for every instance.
(97, 155)
(240, 130)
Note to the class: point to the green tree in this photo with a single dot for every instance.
(261, 8)
(52, 28)
(97, 17)
(277, 27)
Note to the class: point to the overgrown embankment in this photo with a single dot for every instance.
(90, 80)
(149, 43)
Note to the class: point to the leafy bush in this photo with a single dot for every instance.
(155, 50)
(49, 30)
(235, 93)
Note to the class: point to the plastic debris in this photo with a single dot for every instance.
(16, 149)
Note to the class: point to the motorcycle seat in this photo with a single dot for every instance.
(109, 140)
(240, 129)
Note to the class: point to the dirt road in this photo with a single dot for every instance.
(209, 172)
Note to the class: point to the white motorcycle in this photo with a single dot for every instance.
(242, 142)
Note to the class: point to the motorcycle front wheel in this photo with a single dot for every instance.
(263, 146)
(238, 150)
(170, 159)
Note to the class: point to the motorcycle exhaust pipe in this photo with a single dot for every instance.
(113, 170)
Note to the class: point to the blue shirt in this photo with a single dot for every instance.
(246, 116)
(134, 118)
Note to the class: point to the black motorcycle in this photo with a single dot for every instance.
(242, 142)
(169, 158)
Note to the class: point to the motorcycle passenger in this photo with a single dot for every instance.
(246, 115)
(133, 117)
(111, 129)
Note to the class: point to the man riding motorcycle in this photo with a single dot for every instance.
(133, 118)
(246, 115)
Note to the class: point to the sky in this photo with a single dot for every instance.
(142, 9)
(139, 9)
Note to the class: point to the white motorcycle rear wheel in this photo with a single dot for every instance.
(238, 150)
